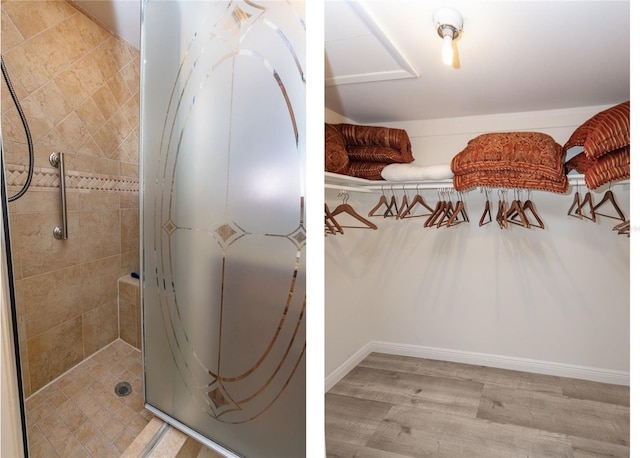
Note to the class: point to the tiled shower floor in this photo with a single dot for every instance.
(79, 415)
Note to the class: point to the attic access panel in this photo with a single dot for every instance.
(358, 50)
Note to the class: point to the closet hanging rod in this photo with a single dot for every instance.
(578, 180)
(347, 188)
(347, 183)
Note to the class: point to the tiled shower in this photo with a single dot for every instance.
(78, 312)
(78, 86)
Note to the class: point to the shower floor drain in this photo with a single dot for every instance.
(123, 389)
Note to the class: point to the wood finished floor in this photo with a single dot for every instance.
(395, 406)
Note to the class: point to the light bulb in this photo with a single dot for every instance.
(447, 46)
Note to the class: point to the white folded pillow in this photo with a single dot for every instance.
(414, 172)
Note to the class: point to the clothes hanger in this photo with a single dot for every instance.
(439, 207)
(528, 205)
(588, 199)
(515, 213)
(330, 223)
(623, 228)
(501, 215)
(487, 209)
(404, 205)
(609, 197)
(392, 205)
(344, 207)
(447, 211)
(381, 202)
(576, 204)
(458, 210)
(417, 200)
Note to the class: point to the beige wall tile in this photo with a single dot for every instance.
(91, 115)
(98, 200)
(56, 11)
(121, 52)
(50, 143)
(70, 82)
(96, 165)
(129, 231)
(104, 57)
(129, 169)
(24, 356)
(46, 48)
(16, 264)
(39, 123)
(11, 36)
(88, 31)
(40, 251)
(128, 323)
(52, 102)
(99, 328)
(29, 23)
(73, 43)
(129, 311)
(131, 76)
(23, 65)
(16, 153)
(99, 234)
(53, 352)
(131, 109)
(120, 125)
(74, 131)
(105, 101)
(49, 299)
(53, 298)
(129, 291)
(129, 200)
(20, 90)
(12, 129)
(106, 142)
(48, 304)
(89, 65)
(130, 261)
(36, 201)
(119, 88)
(90, 149)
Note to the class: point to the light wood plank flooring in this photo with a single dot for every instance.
(395, 406)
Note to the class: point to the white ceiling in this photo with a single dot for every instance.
(514, 56)
(382, 57)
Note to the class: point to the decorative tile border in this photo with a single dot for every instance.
(45, 179)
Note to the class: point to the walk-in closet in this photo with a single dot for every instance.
(476, 312)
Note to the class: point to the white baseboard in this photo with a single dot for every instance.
(479, 359)
(346, 367)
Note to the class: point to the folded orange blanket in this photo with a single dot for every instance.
(604, 132)
(509, 179)
(532, 153)
(394, 144)
(615, 165)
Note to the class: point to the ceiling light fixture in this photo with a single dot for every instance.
(448, 22)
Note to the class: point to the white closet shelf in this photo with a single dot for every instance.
(349, 183)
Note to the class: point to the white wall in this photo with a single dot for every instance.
(558, 295)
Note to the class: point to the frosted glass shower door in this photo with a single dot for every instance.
(223, 222)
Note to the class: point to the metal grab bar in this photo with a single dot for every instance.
(57, 160)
